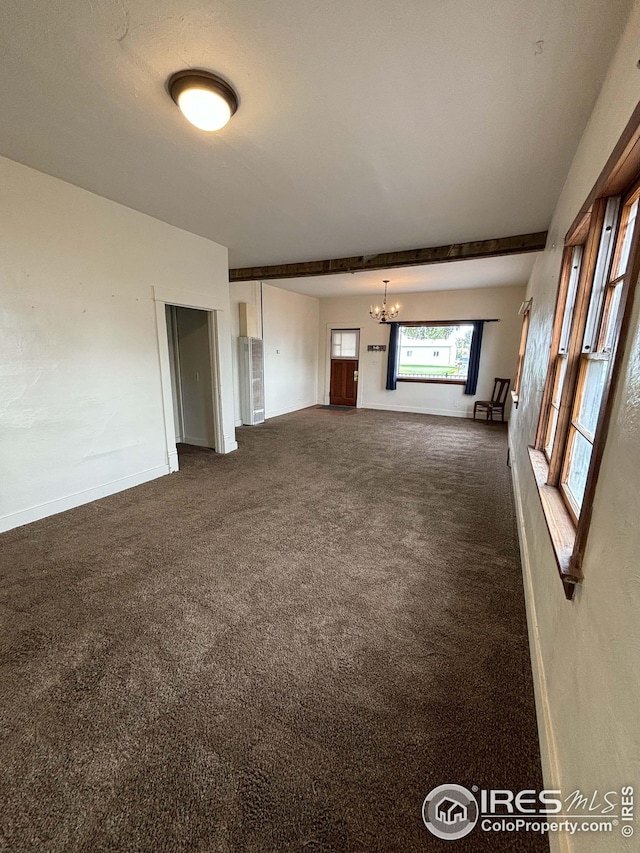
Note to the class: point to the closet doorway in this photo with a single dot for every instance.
(190, 365)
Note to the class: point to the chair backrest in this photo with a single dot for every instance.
(500, 390)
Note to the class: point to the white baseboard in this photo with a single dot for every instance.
(560, 842)
(277, 412)
(35, 513)
(420, 410)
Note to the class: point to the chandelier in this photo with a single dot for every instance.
(384, 314)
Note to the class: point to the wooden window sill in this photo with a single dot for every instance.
(433, 381)
(562, 530)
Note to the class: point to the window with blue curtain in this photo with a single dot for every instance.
(435, 351)
(474, 358)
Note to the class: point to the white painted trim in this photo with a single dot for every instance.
(420, 410)
(35, 513)
(560, 842)
(326, 396)
(165, 384)
(288, 409)
(202, 302)
(186, 298)
(216, 395)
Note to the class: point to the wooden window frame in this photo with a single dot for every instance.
(560, 312)
(567, 523)
(525, 311)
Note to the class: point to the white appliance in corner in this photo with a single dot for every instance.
(251, 359)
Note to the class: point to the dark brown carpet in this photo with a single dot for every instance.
(284, 649)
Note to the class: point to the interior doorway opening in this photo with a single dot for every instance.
(190, 363)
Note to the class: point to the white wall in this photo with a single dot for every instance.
(81, 408)
(290, 350)
(289, 323)
(587, 652)
(498, 357)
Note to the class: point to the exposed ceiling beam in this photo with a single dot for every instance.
(387, 260)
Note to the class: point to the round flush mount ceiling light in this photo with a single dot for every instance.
(205, 99)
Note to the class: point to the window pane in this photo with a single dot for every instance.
(612, 315)
(623, 259)
(344, 344)
(434, 352)
(578, 466)
(572, 287)
(551, 432)
(561, 369)
(592, 390)
(600, 277)
(558, 382)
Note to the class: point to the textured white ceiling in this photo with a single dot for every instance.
(364, 126)
(457, 275)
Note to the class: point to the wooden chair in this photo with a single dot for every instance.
(496, 403)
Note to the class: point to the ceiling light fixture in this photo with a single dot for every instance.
(384, 314)
(205, 99)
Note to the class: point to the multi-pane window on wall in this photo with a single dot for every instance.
(600, 268)
(599, 337)
(580, 366)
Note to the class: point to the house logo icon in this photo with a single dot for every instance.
(450, 812)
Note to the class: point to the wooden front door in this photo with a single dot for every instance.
(344, 381)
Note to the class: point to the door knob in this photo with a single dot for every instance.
(355, 375)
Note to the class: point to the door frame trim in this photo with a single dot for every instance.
(327, 362)
(216, 318)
